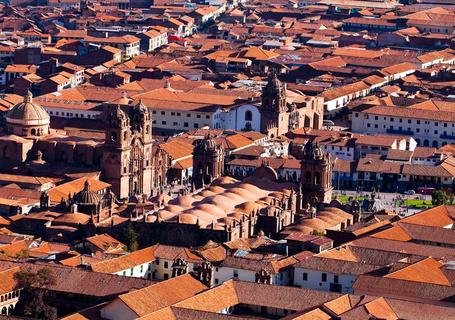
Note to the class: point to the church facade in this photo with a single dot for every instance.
(283, 110)
(126, 156)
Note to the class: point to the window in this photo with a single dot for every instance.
(248, 116)
(188, 115)
(409, 121)
(335, 279)
(198, 116)
(163, 122)
(391, 119)
(175, 124)
(196, 125)
(163, 113)
(324, 277)
(166, 276)
(305, 276)
(185, 124)
(418, 121)
(166, 264)
(154, 112)
(217, 281)
(178, 114)
(172, 113)
(235, 274)
(376, 118)
(207, 117)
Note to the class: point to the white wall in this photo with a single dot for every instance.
(234, 118)
(314, 280)
(422, 129)
(223, 274)
(117, 310)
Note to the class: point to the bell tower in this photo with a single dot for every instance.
(208, 161)
(274, 116)
(316, 174)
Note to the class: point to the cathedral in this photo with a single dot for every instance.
(221, 208)
(125, 154)
(283, 110)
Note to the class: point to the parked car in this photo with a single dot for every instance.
(410, 192)
(328, 123)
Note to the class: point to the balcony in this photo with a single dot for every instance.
(400, 132)
(447, 136)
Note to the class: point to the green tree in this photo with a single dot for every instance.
(23, 254)
(131, 238)
(317, 232)
(439, 197)
(32, 301)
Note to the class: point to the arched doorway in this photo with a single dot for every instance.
(316, 120)
(307, 122)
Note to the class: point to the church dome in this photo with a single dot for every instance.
(86, 196)
(28, 113)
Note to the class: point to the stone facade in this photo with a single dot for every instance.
(208, 161)
(283, 110)
(316, 175)
(127, 157)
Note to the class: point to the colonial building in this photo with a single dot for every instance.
(125, 154)
(283, 110)
(126, 159)
(229, 209)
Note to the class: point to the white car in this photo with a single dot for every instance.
(410, 192)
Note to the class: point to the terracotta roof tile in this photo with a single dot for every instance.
(427, 271)
(162, 295)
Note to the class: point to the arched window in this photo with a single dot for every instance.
(435, 144)
(308, 177)
(426, 143)
(317, 178)
(248, 115)
(418, 142)
(33, 132)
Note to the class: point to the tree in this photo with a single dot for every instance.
(32, 301)
(131, 238)
(439, 197)
(22, 254)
